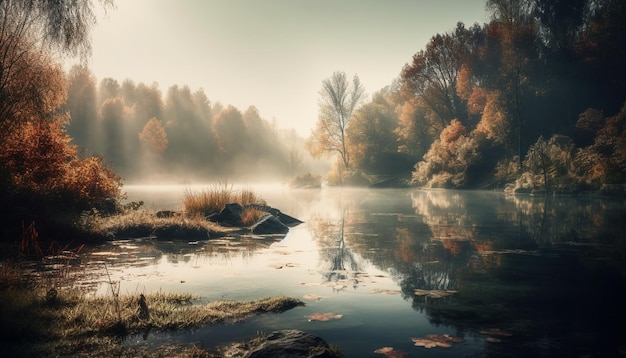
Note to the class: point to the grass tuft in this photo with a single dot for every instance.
(213, 200)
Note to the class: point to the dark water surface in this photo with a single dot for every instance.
(549, 274)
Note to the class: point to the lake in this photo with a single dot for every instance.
(511, 276)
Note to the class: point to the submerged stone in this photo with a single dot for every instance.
(269, 225)
(291, 343)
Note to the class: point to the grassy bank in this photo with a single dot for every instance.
(66, 323)
(41, 321)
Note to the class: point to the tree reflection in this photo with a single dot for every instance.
(341, 266)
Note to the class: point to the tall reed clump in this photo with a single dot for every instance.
(214, 199)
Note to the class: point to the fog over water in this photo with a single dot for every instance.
(550, 273)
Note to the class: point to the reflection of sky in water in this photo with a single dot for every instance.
(510, 259)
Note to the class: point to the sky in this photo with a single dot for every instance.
(271, 54)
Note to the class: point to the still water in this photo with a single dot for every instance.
(519, 276)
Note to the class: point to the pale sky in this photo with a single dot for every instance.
(273, 54)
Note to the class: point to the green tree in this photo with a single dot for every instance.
(338, 100)
(371, 136)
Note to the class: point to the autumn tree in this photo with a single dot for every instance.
(447, 161)
(604, 161)
(433, 73)
(494, 123)
(338, 100)
(153, 136)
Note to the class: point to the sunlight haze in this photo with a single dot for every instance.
(273, 55)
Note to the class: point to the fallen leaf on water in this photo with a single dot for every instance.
(384, 350)
(323, 316)
(312, 296)
(390, 352)
(444, 338)
(423, 342)
(435, 340)
(495, 332)
(382, 290)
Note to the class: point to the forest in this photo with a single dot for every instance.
(532, 101)
(179, 136)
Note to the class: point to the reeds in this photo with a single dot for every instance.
(214, 199)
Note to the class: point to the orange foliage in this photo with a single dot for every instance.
(453, 131)
(153, 136)
(463, 83)
(494, 123)
(477, 101)
(39, 159)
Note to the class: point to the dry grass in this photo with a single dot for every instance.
(251, 215)
(146, 224)
(69, 323)
(214, 199)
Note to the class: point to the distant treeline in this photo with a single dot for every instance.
(180, 135)
(534, 99)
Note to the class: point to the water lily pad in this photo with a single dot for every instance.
(323, 316)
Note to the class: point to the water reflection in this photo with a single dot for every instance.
(549, 269)
(551, 272)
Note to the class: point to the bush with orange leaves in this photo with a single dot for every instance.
(39, 161)
(42, 178)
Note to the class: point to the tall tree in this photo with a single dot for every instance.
(432, 75)
(371, 134)
(338, 100)
(82, 107)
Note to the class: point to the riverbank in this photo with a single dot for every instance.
(50, 323)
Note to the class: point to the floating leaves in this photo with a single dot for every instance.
(313, 297)
(435, 293)
(495, 332)
(390, 352)
(323, 316)
(435, 340)
(389, 292)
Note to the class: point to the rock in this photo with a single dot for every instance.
(290, 343)
(166, 214)
(268, 225)
(229, 216)
(282, 217)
